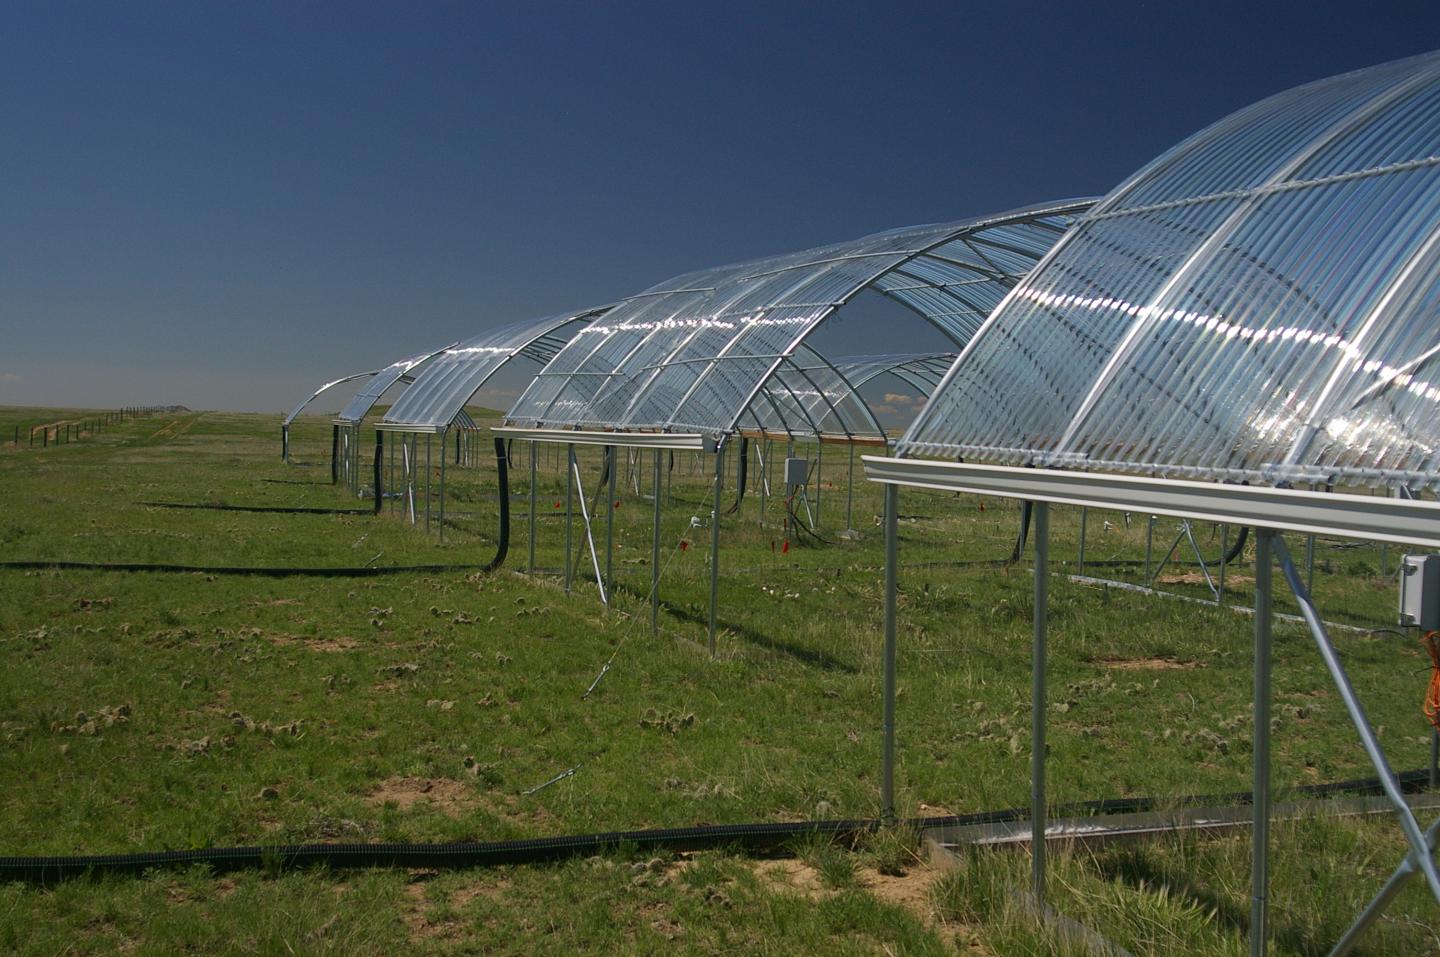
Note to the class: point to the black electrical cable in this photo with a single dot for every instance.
(49, 869)
(267, 509)
(502, 545)
(262, 571)
(743, 474)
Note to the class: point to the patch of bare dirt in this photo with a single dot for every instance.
(338, 643)
(792, 875)
(448, 796)
(417, 916)
(911, 891)
(1147, 664)
(1198, 578)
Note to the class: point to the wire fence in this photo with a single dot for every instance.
(65, 431)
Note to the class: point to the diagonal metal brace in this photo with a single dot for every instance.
(1421, 846)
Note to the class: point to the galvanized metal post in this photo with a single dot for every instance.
(1224, 549)
(427, 481)
(1260, 846)
(1310, 563)
(610, 518)
(1037, 702)
(379, 469)
(1084, 523)
(850, 493)
(569, 507)
(443, 443)
(655, 553)
(715, 541)
(530, 567)
(887, 720)
(1149, 544)
(334, 455)
(284, 443)
(819, 451)
(1358, 718)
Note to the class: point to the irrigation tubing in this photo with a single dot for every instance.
(262, 571)
(757, 836)
(271, 509)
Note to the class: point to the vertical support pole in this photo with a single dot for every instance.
(427, 481)
(334, 455)
(379, 470)
(284, 443)
(1419, 847)
(1224, 550)
(1310, 563)
(390, 478)
(1084, 524)
(715, 541)
(819, 453)
(610, 518)
(655, 552)
(762, 459)
(850, 493)
(887, 720)
(443, 456)
(1037, 702)
(1149, 544)
(569, 507)
(530, 567)
(458, 434)
(1260, 851)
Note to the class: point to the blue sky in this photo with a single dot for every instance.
(222, 204)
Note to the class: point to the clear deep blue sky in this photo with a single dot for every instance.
(221, 204)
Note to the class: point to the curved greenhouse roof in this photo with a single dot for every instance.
(358, 407)
(921, 371)
(691, 354)
(1259, 302)
(810, 395)
(323, 389)
(447, 382)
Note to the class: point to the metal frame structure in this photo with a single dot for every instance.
(436, 399)
(707, 355)
(295, 412)
(345, 442)
(1257, 304)
(691, 354)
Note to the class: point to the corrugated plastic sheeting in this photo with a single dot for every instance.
(360, 404)
(321, 391)
(809, 395)
(447, 383)
(921, 371)
(695, 352)
(1261, 302)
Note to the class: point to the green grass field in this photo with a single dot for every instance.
(145, 711)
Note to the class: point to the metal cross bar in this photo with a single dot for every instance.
(1420, 847)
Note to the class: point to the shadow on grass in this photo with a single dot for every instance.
(1138, 870)
(808, 656)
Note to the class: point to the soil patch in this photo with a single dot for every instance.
(1147, 664)
(450, 797)
(338, 643)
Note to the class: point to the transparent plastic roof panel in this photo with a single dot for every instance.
(921, 371)
(322, 390)
(441, 390)
(808, 395)
(1261, 302)
(690, 354)
(359, 406)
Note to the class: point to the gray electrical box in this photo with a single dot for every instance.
(1420, 591)
(797, 471)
